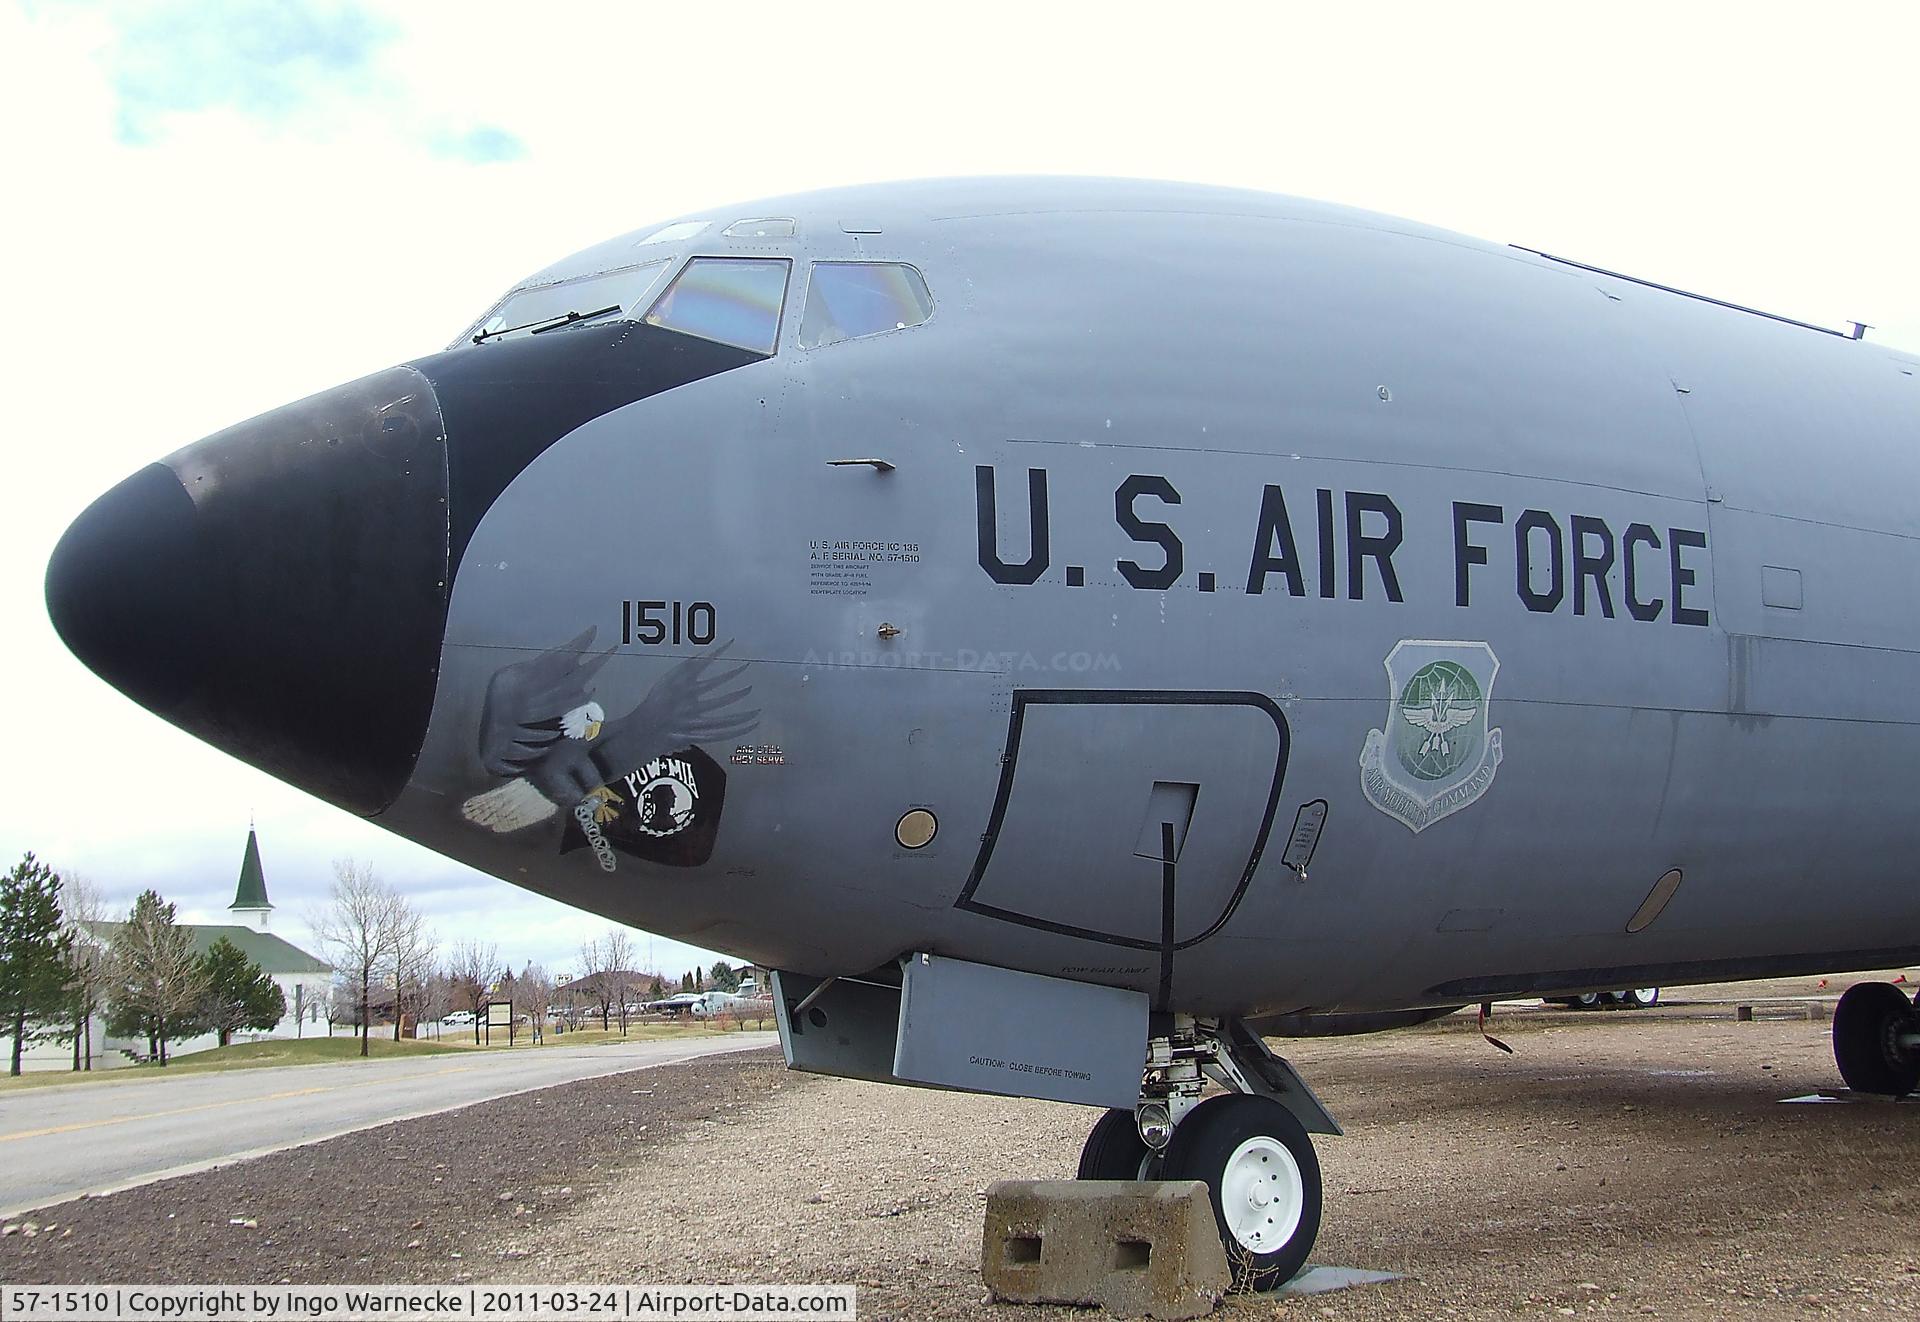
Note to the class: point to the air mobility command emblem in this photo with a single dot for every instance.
(1438, 753)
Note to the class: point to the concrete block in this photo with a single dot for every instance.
(1137, 1248)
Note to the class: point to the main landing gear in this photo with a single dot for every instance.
(1630, 998)
(1876, 1039)
(1250, 1147)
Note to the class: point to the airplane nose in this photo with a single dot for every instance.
(279, 589)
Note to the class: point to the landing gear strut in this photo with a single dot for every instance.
(1876, 1039)
(1250, 1148)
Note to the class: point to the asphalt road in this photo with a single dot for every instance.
(59, 1143)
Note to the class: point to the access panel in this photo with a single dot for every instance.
(1094, 787)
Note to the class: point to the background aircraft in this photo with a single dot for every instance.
(1054, 623)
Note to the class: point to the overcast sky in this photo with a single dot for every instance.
(212, 210)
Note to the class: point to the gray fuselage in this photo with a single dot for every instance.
(1267, 443)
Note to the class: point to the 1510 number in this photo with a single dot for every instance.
(652, 622)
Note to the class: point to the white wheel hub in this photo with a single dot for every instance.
(1262, 1194)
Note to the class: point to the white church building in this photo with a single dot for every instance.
(304, 979)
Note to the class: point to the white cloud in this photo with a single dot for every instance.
(318, 69)
(271, 62)
(281, 223)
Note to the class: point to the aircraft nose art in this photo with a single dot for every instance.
(279, 589)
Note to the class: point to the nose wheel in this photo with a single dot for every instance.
(1115, 1150)
(1250, 1146)
(1264, 1181)
(1876, 1039)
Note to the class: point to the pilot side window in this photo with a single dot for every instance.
(734, 300)
(846, 300)
(585, 298)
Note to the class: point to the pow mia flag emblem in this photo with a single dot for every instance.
(1438, 753)
(666, 811)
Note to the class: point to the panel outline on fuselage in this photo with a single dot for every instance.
(1009, 763)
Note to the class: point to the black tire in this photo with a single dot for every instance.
(1640, 998)
(1208, 1138)
(1866, 1028)
(1114, 1150)
(1587, 1001)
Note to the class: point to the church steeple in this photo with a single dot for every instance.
(250, 904)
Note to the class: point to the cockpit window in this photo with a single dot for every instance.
(585, 298)
(734, 300)
(846, 300)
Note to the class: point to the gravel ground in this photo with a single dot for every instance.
(441, 1198)
(1616, 1165)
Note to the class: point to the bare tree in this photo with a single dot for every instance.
(570, 1008)
(757, 1008)
(436, 1000)
(471, 969)
(536, 989)
(343, 1006)
(158, 979)
(311, 1004)
(414, 948)
(361, 930)
(616, 948)
(594, 980)
(89, 960)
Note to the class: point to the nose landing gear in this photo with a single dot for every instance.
(1259, 1166)
(1115, 1150)
(1876, 1039)
(1250, 1147)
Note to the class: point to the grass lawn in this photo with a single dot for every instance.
(636, 1032)
(241, 1056)
(297, 1051)
(321, 1050)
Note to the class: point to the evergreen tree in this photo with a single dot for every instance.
(686, 982)
(723, 978)
(240, 994)
(657, 990)
(33, 951)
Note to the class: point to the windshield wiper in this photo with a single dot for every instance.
(539, 324)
